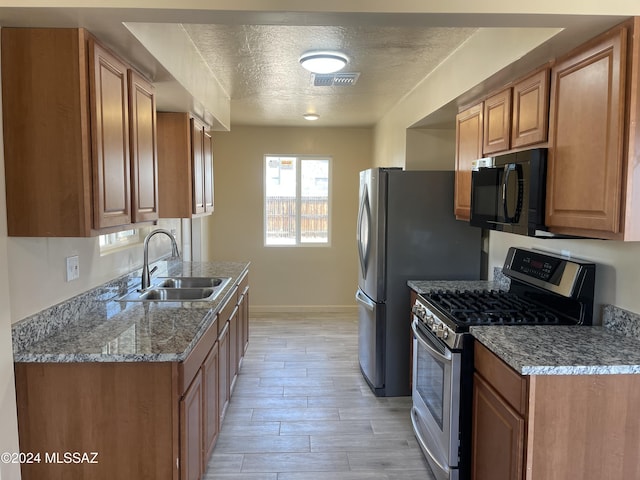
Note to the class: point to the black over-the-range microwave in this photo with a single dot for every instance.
(508, 192)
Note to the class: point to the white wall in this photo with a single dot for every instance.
(282, 277)
(431, 149)
(617, 264)
(37, 267)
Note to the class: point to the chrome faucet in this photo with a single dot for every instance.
(145, 281)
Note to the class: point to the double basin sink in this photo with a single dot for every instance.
(179, 289)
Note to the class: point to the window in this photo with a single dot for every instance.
(125, 238)
(296, 203)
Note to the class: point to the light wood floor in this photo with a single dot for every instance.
(302, 411)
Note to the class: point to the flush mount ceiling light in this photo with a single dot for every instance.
(323, 61)
(311, 116)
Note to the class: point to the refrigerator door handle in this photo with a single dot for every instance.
(364, 233)
(365, 301)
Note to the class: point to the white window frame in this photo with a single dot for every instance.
(113, 242)
(298, 160)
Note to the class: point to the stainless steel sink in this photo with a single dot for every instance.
(191, 282)
(179, 289)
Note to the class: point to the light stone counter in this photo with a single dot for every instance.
(93, 327)
(561, 350)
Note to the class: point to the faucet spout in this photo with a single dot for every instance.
(145, 281)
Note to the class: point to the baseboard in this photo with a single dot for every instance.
(257, 309)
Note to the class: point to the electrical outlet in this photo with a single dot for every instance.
(73, 268)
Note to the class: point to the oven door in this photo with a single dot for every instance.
(436, 401)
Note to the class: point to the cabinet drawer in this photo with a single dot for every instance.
(227, 310)
(507, 382)
(188, 369)
(243, 284)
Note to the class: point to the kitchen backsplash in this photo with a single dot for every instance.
(621, 321)
(500, 278)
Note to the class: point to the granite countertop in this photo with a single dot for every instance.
(94, 327)
(561, 350)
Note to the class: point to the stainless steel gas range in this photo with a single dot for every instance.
(545, 289)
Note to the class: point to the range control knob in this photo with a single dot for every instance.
(445, 333)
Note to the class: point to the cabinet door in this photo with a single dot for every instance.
(530, 119)
(110, 134)
(234, 352)
(210, 389)
(498, 436)
(586, 128)
(144, 160)
(207, 159)
(197, 157)
(224, 392)
(244, 321)
(468, 149)
(497, 122)
(191, 431)
(175, 165)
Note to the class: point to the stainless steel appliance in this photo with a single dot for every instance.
(545, 289)
(508, 192)
(406, 230)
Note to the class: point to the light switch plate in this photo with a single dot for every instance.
(73, 268)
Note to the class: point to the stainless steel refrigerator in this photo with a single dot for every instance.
(406, 231)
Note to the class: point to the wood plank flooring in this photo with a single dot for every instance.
(302, 411)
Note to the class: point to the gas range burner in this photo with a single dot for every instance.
(490, 308)
(544, 290)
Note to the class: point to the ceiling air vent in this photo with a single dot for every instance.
(334, 79)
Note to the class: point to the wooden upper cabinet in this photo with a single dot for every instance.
(497, 122)
(144, 159)
(109, 96)
(586, 131)
(66, 134)
(197, 156)
(530, 118)
(185, 166)
(207, 159)
(468, 148)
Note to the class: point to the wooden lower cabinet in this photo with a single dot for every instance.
(551, 427)
(243, 314)
(224, 390)
(234, 350)
(191, 431)
(498, 435)
(144, 420)
(127, 413)
(211, 420)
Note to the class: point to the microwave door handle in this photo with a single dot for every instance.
(505, 182)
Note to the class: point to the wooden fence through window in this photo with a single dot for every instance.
(314, 218)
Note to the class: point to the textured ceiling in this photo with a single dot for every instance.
(257, 65)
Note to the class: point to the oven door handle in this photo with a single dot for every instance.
(414, 420)
(443, 357)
